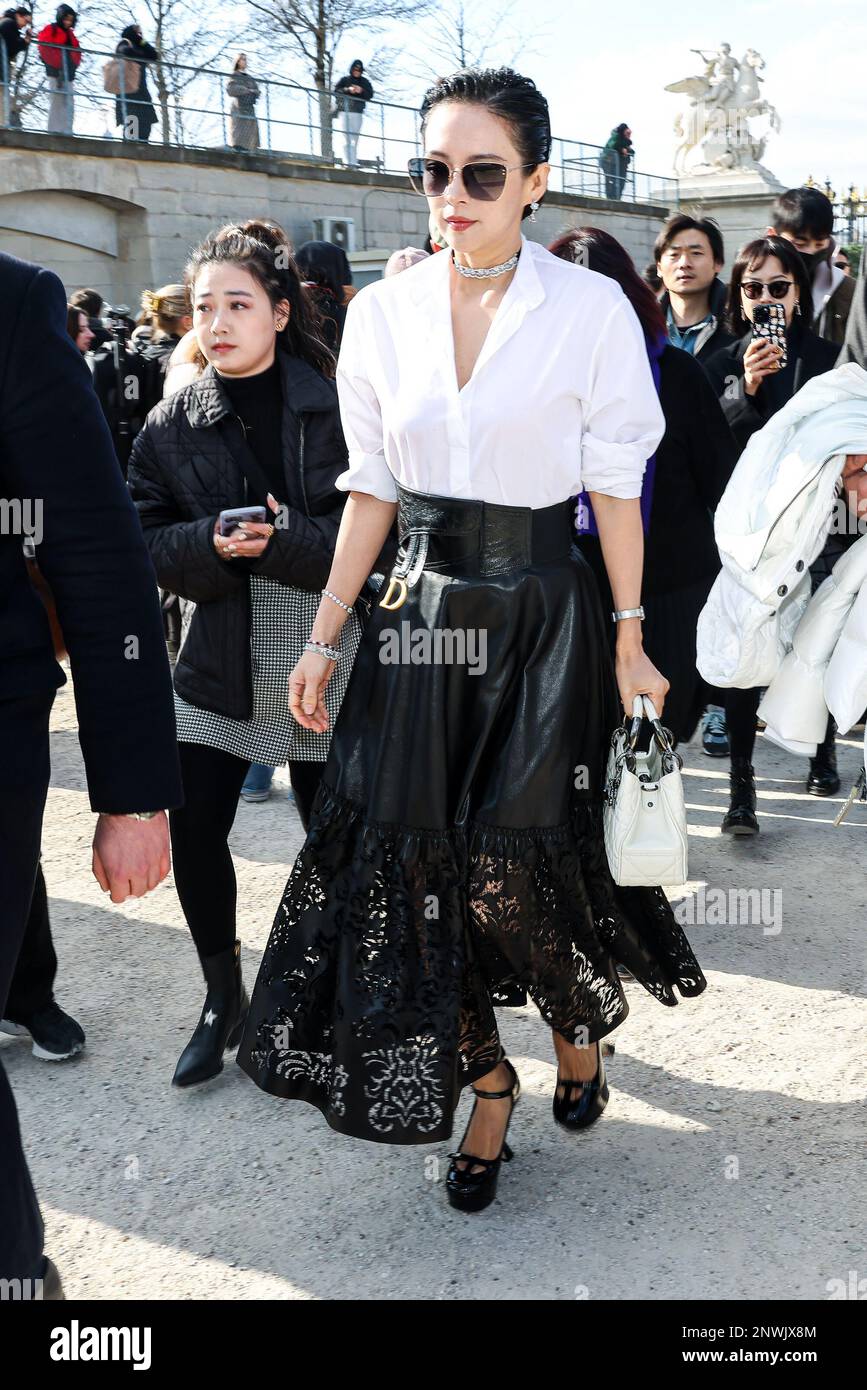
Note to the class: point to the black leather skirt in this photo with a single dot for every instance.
(455, 859)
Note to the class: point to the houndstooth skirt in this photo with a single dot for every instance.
(281, 619)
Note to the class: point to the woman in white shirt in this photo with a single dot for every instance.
(455, 858)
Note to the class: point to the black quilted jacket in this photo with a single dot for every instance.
(182, 474)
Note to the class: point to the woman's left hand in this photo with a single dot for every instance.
(637, 675)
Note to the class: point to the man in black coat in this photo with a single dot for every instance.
(689, 256)
(61, 486)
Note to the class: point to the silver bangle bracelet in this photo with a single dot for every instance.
(322, 649)
(347, 607)
(627, 613)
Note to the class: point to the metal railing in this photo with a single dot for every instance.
(193, 109)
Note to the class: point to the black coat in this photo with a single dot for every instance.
(810, 356)
(183, 472)
(348, 101)
(55, 447)
(137, 103)
(13, 40)
(694, 462)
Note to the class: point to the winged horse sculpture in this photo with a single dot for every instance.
(723, 100)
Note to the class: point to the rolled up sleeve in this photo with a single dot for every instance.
(360, 413)
(623, 422)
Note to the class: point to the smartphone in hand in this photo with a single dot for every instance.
(231, 518)
(769, 324)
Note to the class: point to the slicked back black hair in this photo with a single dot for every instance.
(505, 93)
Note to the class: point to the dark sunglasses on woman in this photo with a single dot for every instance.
(777, 289)
(484, 180)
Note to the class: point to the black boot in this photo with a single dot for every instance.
(823, 779)
(740, 818)
(222, 1022)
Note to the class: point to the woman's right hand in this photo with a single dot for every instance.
(307, 691)
(761, 359)
(247, 541)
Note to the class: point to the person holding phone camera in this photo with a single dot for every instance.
(353, 92)
(754, 377)
(234, 480)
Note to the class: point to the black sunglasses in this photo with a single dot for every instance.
(484, 180)
(777, 289)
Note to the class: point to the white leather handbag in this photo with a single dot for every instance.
(643, 809)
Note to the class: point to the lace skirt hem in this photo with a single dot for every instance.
(393, 946)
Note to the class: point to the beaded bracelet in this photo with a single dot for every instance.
(347, 608)
(322, 649)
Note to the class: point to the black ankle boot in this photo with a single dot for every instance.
(740, 818)
(222, 1021)
(823, 779)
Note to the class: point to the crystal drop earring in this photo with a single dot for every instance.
(533, 206)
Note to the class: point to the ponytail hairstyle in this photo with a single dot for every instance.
(263, 249)
(505, 93)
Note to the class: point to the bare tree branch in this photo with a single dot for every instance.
(312, 30)
(455, 36)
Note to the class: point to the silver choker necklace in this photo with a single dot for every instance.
(486, 272)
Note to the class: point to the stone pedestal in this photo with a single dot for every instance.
(740, 200)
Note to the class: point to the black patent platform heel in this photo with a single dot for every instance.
(469, 1191)
(580, 1111)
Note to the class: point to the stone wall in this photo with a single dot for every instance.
(101, 214)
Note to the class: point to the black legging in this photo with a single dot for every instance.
(203, 868)
(742, 706)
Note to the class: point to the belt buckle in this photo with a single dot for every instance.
(406, 573)
(395, 581)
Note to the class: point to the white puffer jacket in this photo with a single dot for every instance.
(771, 524)
(827, 666)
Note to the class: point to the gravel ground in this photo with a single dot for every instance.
(727, 1165)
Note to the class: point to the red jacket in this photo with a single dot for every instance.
(51, 57)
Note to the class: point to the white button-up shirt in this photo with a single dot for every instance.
(561, 397)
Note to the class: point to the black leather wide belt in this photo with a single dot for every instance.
(462, 536)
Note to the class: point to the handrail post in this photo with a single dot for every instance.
(121, 68)
(6, 80)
